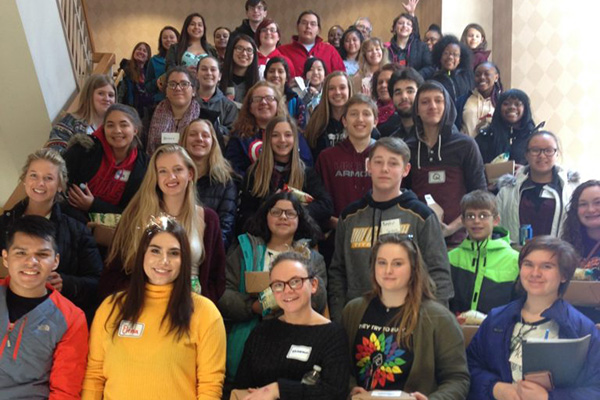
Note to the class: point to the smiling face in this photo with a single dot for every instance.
(382, 85)
(352, 44)
(208, 74)
(173, 175)
(588, 208)
(140, 54)
(256, 13)
(334, 36)
(269, 36)
(450, 57)
(474, 38)
(103, 98)
(221, 38)
(119, 130)
(404, 97)
(41, 182)
(282, 142)
(162, 259)
(293, 300)
(30, 260)
(338, 91)
(541, 163)
(359, 121)
(316, 74)
(168, 38)
(392, 270)
(282, 227)
(540, 275)
(261, 106)
(195, 29)
(485, 78)
(512, 110)
(276, 75)
(308, 29)
(243, 54)
(403, 27)
(374, 54)
(387, 170)
(479, 223)
(430, 107)
(199, 140)
(179, 96)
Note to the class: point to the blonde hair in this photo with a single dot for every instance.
(53, 157)
(320, 117)
(245, 124)
(263, 167)
(85, 107)
(148, 201)
(219, 169)
(364, 68)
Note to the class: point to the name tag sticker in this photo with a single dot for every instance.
(437, 177)
(300, 353)
(169, 138)
(390, 226)
(122, 175)
(127, 329)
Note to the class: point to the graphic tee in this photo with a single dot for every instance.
(379, 362)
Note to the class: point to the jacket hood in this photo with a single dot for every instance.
(405, 197)
(526, 122)
(447, 122)
(318, 40)
(509, 180)
(84, 140)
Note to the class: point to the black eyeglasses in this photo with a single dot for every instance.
(183, 85)
(295, 283)
(549, 151)
(482, 216)
(278, 212)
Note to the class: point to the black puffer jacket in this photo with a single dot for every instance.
(80, 262)
(222, 198)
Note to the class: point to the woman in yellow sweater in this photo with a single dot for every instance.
(157, 339)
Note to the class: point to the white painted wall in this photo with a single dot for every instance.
(456, 14)
(46, 39)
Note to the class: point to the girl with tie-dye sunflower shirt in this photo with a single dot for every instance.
(400, 338)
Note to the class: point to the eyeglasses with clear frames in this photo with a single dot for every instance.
(278, 212)
(259, 99)
(268, 30)
(482, 216)
(295, 283)
(183, 85)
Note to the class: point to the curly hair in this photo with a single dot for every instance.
(440, 46)
(574, 232)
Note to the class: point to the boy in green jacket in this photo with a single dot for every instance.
(484, 266)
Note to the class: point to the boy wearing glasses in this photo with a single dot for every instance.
(484, 266)
(256, 11)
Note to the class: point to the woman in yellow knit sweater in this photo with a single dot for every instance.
(157, 340)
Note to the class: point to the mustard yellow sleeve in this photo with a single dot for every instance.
(93, 383)
(211, 348)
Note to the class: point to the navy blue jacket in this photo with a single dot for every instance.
(489, 351)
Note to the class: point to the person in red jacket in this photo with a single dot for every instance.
(43, 336)
(308, 44)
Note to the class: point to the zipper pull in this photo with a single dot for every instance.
(8, 343)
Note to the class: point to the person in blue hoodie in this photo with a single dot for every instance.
(495, 353)
(155, 86)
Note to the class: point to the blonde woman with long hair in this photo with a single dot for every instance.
(216, 186)
(278, 165)
(98, 93)
(169, 187)
(373, 55)
(325, 128)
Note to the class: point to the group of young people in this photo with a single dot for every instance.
(351, 172)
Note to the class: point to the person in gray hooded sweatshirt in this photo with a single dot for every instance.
(385, 209)
(448, 162)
